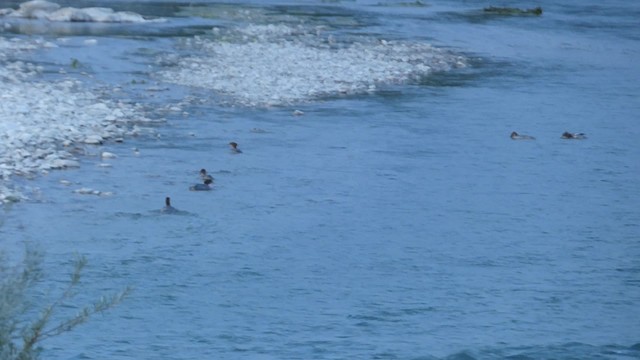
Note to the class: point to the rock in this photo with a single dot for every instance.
(93, 140)
(87, 191)
(36, 9)
(108, 155)
(63, 163)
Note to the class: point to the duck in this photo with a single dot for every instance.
(167, 206)
(205, 176)
(206, 186)
(573, 136)
(234, 148)
(516, 136)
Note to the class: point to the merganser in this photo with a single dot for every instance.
(234, 148)
(205, 176)
(573, 136)
(516, 136)
(167, 207)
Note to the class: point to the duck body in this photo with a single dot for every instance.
(200, 187)
(573, 136)
(516, 136)
(205, 176)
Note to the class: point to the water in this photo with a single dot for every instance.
(397, 224)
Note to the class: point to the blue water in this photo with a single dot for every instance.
(403, 224)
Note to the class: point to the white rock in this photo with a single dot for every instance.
(64, 163)
(108, 155)
(69, 14)
(93, 140)
(36, 9)
(39, 9)
(87, 191)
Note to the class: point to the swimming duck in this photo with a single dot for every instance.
(573, 136)
(234, 148)
(167, 206)
(516, 136)
(206, 186)
(205, 176)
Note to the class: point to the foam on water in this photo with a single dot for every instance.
(271, 65)
(44, 125)
(40, 9)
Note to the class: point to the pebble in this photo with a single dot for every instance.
(93, 140)
(108, 155)
(89, 191)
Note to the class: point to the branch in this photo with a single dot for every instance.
(101, 306)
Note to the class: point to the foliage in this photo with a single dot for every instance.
(20, 338)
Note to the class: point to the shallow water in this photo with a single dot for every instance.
(400, 224)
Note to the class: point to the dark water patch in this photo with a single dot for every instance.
(633, 270)
(128, 215)
(459, 78)
(464, 355)
(577, 351)
(385, 355)
(366, 319)
(480, 16)
(332, 17)
(148, 9)
(329, 17)
(479, 72)
(221, 11)
(174, 212)
(519, 357)
(410, 4)
(512, 11)
(417, 310)
(614, 19)
(122, 30)
(235, 339)
(425, 357)
(248, 274)
(187, 30)
(392, 316)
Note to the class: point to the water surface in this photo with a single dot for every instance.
(401, 223)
